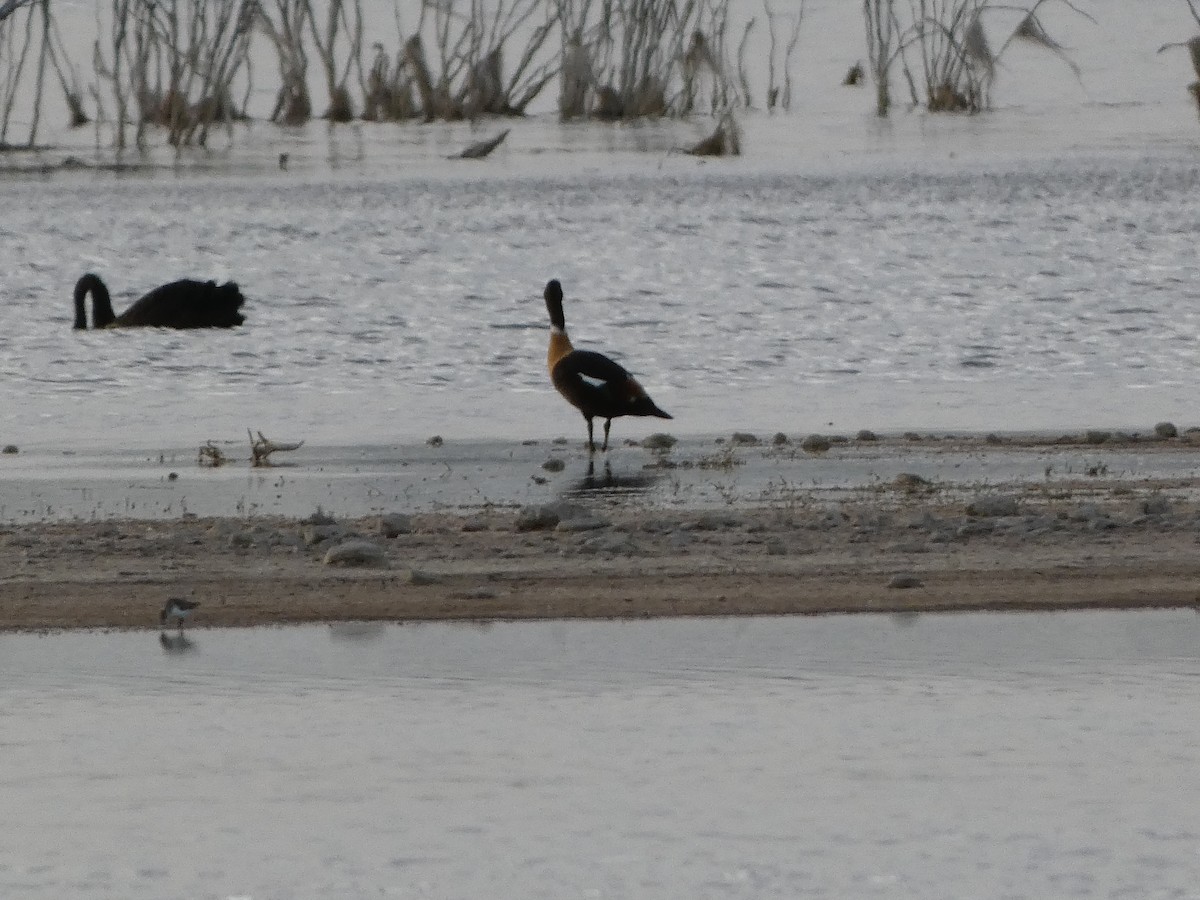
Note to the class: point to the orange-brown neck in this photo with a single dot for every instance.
(560, 346)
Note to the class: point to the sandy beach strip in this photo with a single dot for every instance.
(893, 554)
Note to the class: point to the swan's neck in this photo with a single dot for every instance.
(80, 310)
(102, 311)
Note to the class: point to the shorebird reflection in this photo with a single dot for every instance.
(176, 644)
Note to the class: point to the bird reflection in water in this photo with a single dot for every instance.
(608, 483)
(357, 631)
(176, 644)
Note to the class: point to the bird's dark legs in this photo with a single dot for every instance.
(591, 438)
(607, 425)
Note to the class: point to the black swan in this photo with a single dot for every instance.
(591, 382)
(180, 304)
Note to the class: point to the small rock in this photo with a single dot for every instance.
(435, 441)
(904, 582)
(866, 434)
(537, 518)
(10, 449)
(581, 523)
(660, 440)
(780, 439)
(395, 524)
(356, 553)
(744, 439)
(417, 578)
(554, 465)
(1165, 430)
(1155, 505)
(172, 476)
(907, 481)
(993, 505)
(815, 443)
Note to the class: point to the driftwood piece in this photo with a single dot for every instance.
(724, 141)
(210, 455)
(262, 448)
(482, 148)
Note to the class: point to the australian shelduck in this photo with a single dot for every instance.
(180, 304)
(591, 382)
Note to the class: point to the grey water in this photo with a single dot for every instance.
(944, 756)
(1029, 268)
(1065, 296)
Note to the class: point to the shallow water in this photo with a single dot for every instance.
(469, 476)
(1032, 268)
(933, 756)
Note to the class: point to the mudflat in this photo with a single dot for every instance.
(905, 546)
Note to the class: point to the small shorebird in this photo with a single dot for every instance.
(590, 381)
(176, 608)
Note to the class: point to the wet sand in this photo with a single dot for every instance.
(1094, 536)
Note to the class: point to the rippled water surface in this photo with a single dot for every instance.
(1023, 756)
(1033, 267)
(391, 310)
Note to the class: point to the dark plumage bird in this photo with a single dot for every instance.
(180, 304)
(591, 382)
(176, 608)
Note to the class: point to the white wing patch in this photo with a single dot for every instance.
(594, 382)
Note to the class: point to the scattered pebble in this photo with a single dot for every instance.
(418, 578)
(536, 518)
(994, 505)
(10, 449)
(1155, 505)
(554, 465)
(660, 440)
(356, 553)
(435, 441)
(744, 439)
(815, 443)
(907, 481)
(780, 439)
(173, 476)
(866, 435)
(582, 523)
(1166, 430)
